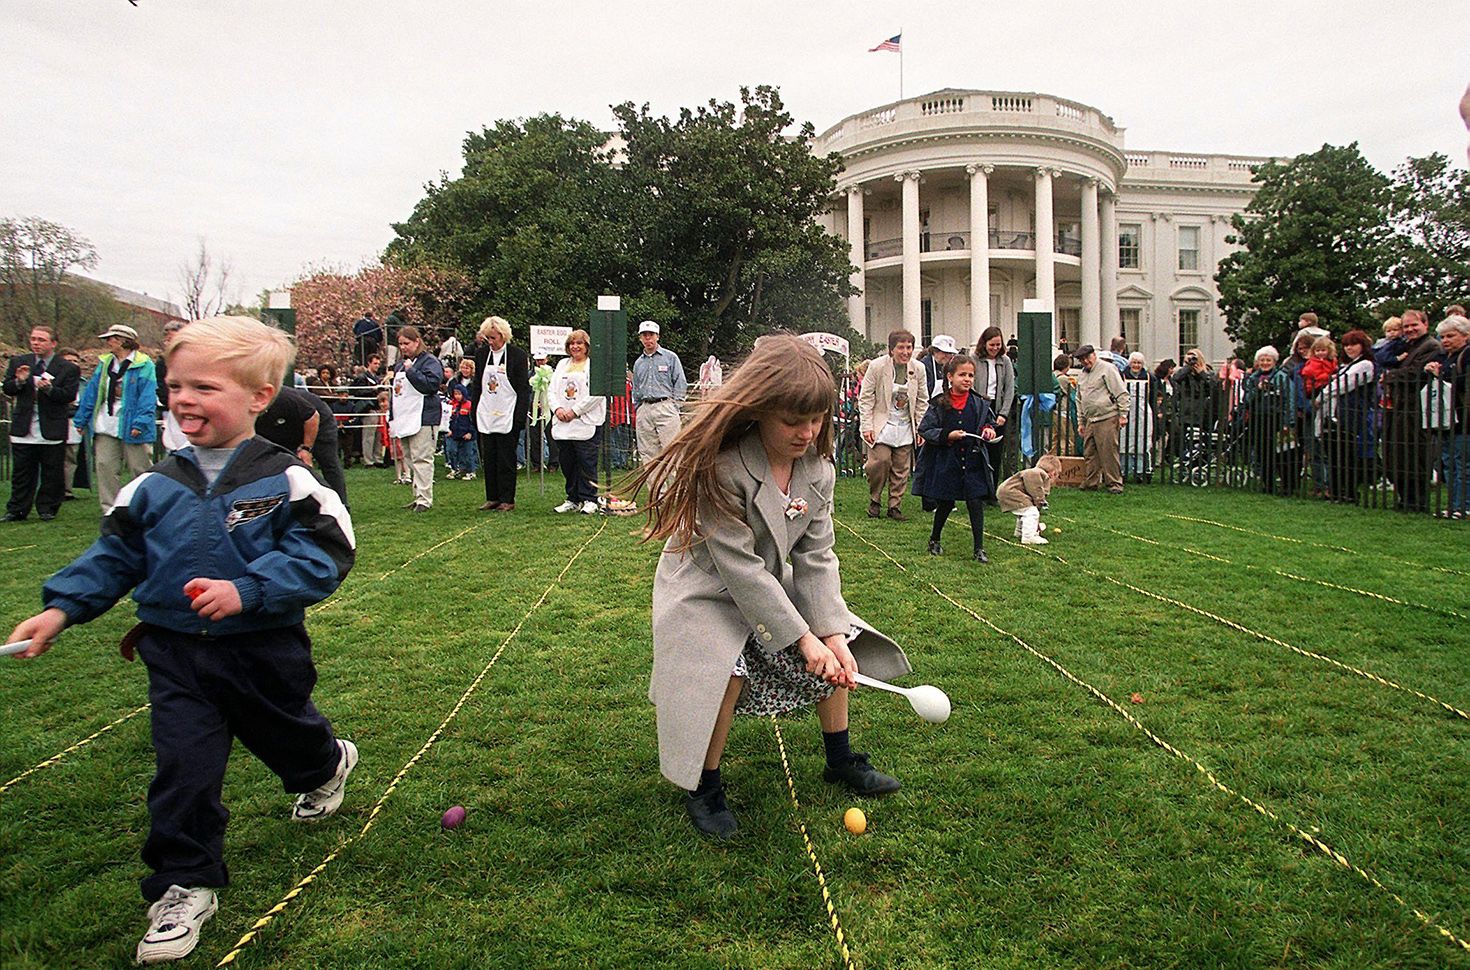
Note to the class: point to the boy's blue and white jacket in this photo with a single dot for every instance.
(266, 523)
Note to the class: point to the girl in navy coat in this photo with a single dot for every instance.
(955, 468)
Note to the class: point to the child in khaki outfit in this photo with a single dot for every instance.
(1024, 495)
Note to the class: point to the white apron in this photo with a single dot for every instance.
(495, 413)
(408, 408)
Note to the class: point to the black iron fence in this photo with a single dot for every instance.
(1370, 447)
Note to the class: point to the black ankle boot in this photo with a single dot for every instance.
(710, 815)
(859, 776)
(934, 549)
(980, 556)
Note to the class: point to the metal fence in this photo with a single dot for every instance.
(1411, 453)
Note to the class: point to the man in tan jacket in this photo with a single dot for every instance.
(892, 400)
(1102, 408)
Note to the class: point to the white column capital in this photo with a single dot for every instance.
(1089, 180)
(1047, 172)
(904, 176)
(855, 188)
(975, 167)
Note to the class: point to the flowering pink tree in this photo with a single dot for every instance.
(328, 303)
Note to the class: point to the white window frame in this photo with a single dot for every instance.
(1181, 250)
(1137, 245)
(1199, 310)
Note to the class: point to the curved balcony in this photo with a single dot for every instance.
(958, 241)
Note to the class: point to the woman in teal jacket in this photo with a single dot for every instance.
(119, 407)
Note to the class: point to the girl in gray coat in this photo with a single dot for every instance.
(745, 486)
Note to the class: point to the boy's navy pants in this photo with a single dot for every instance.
(207, 691)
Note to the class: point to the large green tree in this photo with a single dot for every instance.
(705, 223)
(1315, 237)
(532, 220)
(723, 203)
(1429, 211)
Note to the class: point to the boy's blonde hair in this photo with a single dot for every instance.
(1050, 464)
(1324, 343)
(256, 354)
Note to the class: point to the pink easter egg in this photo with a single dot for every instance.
(453, 817)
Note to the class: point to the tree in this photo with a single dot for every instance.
(38, 285)
(329, 302)
(1315, 238)
(706, 223)
(532, 220)
(1429, 211)
(723, 205)
(204, 281)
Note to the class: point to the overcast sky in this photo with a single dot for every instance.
(290, 134)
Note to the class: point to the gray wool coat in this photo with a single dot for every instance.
(735, 582)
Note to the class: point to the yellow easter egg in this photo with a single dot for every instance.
(855, 820)
(1056, 532)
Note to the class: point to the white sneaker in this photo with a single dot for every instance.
(589, 508)
(452, 474)
(173, 924)
(327, 799)
(1041, 527)
(1035, 541)
(567, 506)
(467, 477)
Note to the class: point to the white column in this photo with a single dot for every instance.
(857, 248)
(979, 251)
(911, 305)
(1045, 241)
(1091, 267)
(1110, 319)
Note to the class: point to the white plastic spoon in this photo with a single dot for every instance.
(16, 647)
(928, 701)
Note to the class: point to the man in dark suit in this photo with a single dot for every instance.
(43, 385)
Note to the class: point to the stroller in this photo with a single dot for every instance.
(1205, 448)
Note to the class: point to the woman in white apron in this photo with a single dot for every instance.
(502, 398)
(576, 424)
(413, 413)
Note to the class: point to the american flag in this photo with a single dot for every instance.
(894, 43)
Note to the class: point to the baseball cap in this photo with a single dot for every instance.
(945, 344)
(1083, 352)
(648, 326)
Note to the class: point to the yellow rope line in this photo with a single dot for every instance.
(1319, 545)
(811, 852)
(314, 610)
(1301, 579)
(1307, 837)
(1236, 626)
(377, 808)
(80, 744)
(19, 548)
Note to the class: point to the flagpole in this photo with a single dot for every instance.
(900, 64)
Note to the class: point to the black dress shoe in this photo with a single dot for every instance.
(45, 516)
(710, 815)
(860, 777)
(12, 517)
(980, 556)
(934, 549)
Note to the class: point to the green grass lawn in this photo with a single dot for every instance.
(1037, 828)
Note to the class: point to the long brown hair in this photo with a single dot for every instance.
(782, 375)
(985, 338)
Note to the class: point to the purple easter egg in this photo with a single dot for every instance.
(453, 817)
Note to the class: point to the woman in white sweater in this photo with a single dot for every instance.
(576, 424)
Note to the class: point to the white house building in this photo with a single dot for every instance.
(958, 205)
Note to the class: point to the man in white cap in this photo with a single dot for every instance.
(659, 387)
(941, 351)
(119, 405)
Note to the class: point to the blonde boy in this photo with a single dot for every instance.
(224, 544)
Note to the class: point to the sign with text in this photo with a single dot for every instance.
(549, 341)
(826, 341)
